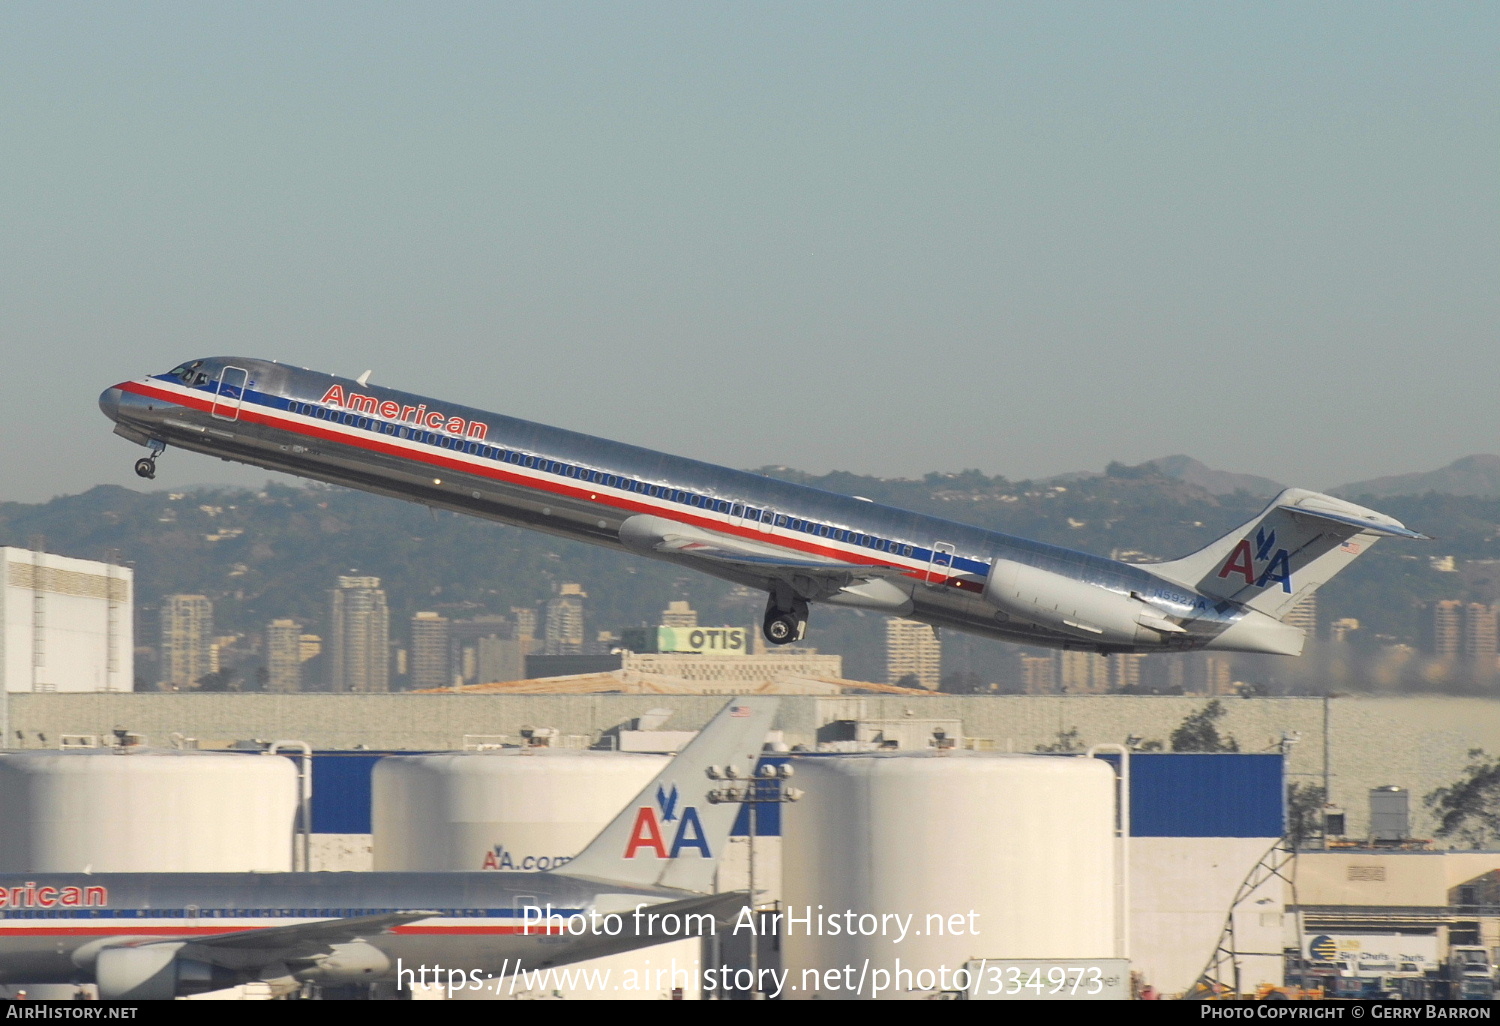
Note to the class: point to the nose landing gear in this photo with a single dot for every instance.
(146, 465)
(785, 620)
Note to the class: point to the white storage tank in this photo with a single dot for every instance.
(142, 810)
(528, 809)
(991, 856)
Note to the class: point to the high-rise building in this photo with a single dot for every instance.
(1038, 674)
(479, 648)
(497, 660)
(1083, 673)
(187, 630)
(526, 624)
(1218, 675)
(1305, 615)
(564, 626)
(1479, 636)
(912, 649)
(65, 624)
(358, 641)
(1125, 670)
(1445, 629)
(431, 661)
(679, 614)
(284, 656)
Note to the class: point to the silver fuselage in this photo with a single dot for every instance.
(516, 472)
(52, 924)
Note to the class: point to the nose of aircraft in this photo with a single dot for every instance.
(109, 402)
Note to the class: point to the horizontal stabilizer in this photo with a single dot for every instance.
(1285, 554)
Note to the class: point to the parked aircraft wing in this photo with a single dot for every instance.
(306, 937)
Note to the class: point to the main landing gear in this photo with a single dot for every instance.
(146, 465)
(786, 618)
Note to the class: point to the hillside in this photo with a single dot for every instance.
(1478, 476)
(275, 553)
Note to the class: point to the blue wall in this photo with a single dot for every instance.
(1171, 795)
(1206, 795)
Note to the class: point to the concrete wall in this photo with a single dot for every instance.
(1419, 743)
(1416, 878)
(1181, 889)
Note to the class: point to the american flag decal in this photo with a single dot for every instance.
(740, 711)
(1351, 547)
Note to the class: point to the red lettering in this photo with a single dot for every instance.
(96, 896)
(362, 403)
(456, 425)
(646, 834)
(388, 409)
(478, 430)
(71, 896)
(334, 395)
(434, 420)
(489, 861)
(1239, 563)
(407, 411)
(46, 896)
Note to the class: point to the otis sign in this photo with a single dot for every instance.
(649, 834)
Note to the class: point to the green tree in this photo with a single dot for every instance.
(1304, 808)
(1067, 741)
(1199, 732)
(963, 682)
(1468, 810)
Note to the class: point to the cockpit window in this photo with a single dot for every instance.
(189, 373)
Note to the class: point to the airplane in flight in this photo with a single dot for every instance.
(798, 544)
(646, 878)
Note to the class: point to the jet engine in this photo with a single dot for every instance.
(155, 972)
(1073, 607)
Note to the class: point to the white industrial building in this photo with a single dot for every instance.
(65, 624)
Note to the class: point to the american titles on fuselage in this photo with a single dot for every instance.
(418, 415)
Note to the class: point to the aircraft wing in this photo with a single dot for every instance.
(659, 535)
(300, 939)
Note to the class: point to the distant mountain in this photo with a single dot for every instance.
(1215, 482)
(1185, 470)
(1478, 476)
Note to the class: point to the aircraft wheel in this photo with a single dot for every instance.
(784, 629)
(146, 467)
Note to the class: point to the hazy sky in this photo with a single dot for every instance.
(887, 238)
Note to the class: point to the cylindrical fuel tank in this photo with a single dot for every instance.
(526, 809)
(937, 858)
(517, 808)
(142, 810)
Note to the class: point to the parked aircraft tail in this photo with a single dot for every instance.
(1286, 553)
(672, 835)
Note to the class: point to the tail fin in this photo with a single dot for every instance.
(672, 835)
(1284, 555)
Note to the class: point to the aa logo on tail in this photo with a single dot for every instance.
(1276, 568)
(650, 830)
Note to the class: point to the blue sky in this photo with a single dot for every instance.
(887, 238)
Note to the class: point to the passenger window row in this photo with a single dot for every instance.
(569, 470)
